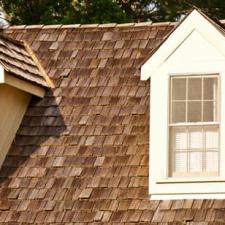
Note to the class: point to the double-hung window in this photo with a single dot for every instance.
(194, 126)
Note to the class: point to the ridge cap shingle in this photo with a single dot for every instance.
(104, 25)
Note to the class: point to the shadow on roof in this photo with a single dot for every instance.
(41, 127)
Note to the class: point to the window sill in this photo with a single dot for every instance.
(191, 180)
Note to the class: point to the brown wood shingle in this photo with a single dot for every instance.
(81, 154)
(17, 58)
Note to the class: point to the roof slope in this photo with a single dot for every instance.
(15, 58)
(81, 154)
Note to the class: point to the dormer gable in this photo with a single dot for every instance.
(196, 39)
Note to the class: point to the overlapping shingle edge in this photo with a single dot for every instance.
(107, 25)
(81, 154)
(17, 58)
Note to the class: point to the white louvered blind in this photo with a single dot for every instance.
(194, 126)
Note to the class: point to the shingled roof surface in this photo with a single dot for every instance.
(81, 154)
(16, 59)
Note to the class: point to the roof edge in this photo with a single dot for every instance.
(40, 67)
(106, 25)
(109, 25)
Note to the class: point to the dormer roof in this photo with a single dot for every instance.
(17, 58)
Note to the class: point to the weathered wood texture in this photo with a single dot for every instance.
(17, 58)
(81, 153)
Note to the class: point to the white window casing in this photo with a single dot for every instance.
(159, 181)
(198, 49)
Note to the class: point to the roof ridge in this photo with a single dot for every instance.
(106, 25)
(38, 64)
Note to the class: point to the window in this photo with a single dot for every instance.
(194, 126)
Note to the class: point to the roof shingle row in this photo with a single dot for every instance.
(81, 154)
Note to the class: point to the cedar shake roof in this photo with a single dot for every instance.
(81, 153)
(16, 58)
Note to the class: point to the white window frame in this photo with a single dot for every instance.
(161, 186)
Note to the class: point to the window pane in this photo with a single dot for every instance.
(179, 138)
(209, 112)
(212, 138)
(196, 139)
(192, 147)
(210, 88)
(194, 111)
(194, 88)
(195, 162)
(212, 162)
(179, 89)
(178, 112)
(180, 162)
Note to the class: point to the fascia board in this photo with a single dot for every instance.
(7, 78)
(24, 85)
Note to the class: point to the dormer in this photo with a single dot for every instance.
(187, 125)
(21, 77)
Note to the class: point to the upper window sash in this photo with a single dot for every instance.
(194, 99)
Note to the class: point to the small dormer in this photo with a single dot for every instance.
(21, 77)
(187, 125)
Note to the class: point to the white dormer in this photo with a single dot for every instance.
(187, 111)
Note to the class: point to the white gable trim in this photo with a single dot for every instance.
(195, 21)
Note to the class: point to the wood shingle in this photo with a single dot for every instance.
(81, 154)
